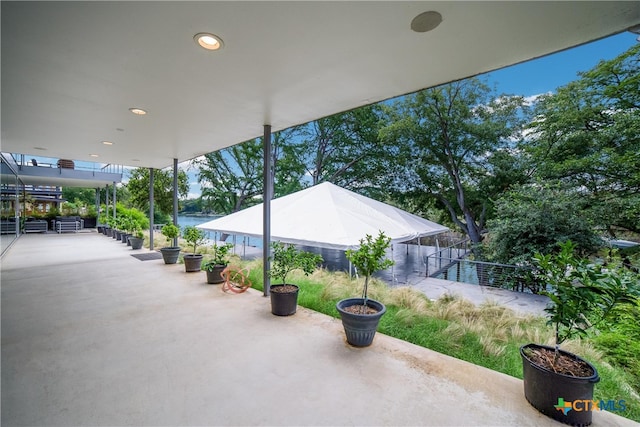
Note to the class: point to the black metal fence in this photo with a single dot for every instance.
(451, 263)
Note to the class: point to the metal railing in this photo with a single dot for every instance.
(451, 263)
(505, 276)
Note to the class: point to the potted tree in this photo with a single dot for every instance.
(219, 261)
(360, 316)
(194, 238)
(582, 296)
(136, 239)
(286, 258)
(170, 253)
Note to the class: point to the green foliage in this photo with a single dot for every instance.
(370, 257)
(450, 139)
(345, 149)
(138, 187)
(130, 219)
(232, 178)
(194, 236)
(588, 135)
(80, 196)
(219, 255)
(170, 231)
(583, 295)
(287, 258)
(536, 218)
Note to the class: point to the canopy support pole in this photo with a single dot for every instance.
(393, 274)
(151, 212)
(267, 194)
(114, 199)
(175, 197)
(419, 252)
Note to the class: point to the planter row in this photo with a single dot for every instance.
(122, 236)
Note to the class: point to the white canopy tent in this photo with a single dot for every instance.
(327, 216)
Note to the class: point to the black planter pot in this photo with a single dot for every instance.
(214, 276)
(192, 262)
(543, 389)
(117, 235)
(360, 328)
(283, 303)
(136, 243)
(170, 254)
(100, 229)
(124, 237)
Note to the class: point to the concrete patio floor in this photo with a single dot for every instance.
(93, 336)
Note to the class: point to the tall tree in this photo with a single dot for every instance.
(451, 141)
(588, 136)
(345, 149)
(138, 187)
(536, 218)
(232, 177)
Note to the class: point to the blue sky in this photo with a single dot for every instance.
(548, 73)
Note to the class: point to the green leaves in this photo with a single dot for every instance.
(219, 255)
(287, 258)
(138, 187)
(194, 236)
(583, 295)
(451, 139)
(370, 257)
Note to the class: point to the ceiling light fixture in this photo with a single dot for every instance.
(93, 155)
(40, 148)
(138, 111)
(208, 41)
(426, 21)
(107, 142)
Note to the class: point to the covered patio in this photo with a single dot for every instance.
(93, 336)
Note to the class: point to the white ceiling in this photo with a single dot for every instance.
(71, 70)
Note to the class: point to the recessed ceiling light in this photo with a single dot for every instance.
(208, 41)
(40, 148)
(138, 111)
(135, 160)
(107, 142)
(426, 21)
(93, 155)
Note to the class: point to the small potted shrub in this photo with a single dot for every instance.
(170, 253)
(219, 261)
(194, 238)
(360, 316)
(286, 258)
(136, 239)
(582, 296)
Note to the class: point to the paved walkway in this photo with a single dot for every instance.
(93, 336)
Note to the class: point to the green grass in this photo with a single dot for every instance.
(489, 335)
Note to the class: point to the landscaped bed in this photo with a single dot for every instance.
(489, 335)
